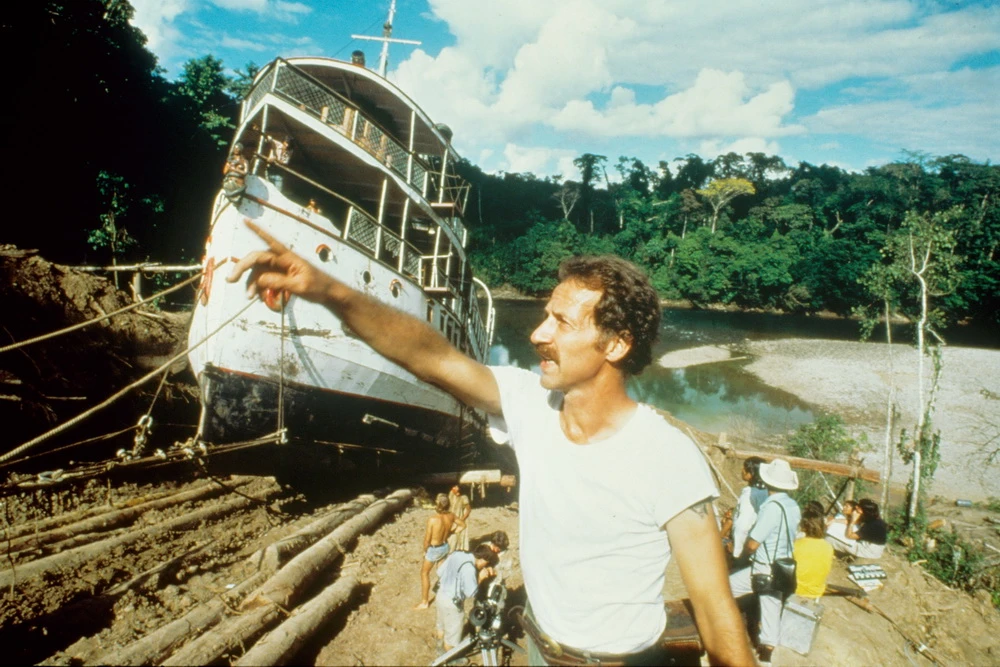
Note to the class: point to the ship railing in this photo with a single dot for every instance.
(437, 279)
(313, 97)
(479, 329)
(383, 244)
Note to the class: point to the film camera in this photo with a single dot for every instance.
(486, 618)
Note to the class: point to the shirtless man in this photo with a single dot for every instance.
(435, 545)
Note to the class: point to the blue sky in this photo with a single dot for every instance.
(527, 85)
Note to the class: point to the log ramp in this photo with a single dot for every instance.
(291, 585)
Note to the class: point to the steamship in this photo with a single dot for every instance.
(344, 168)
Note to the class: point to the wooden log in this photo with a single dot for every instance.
(276, 554)
(291, 580)
(57, 547)
(157, 645)
(466, 477)
(840, 469)
(282, 644)
(229, 635)
(86, 647)
(114, 518)
(73, 557)
(282, 591)
(48, 523)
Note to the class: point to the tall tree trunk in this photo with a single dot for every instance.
(889, 410)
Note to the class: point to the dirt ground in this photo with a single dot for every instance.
(76, 615)
(105, 571)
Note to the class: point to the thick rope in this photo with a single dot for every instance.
(281, 371)
(146, 378)
(106, 436)
(81, 325)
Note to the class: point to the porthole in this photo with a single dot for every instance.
(367, 277)
(324, 253)
(395, 288)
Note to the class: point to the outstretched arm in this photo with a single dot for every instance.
(698, 549)
(401, 338)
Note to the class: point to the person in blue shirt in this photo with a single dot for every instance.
(771, 538)
(460, 575)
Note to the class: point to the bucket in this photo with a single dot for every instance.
(799, 624)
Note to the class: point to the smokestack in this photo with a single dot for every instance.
(358, 58)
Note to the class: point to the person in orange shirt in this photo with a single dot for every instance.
(813, 556)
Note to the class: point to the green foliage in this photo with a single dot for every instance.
(826, 439)
(943, 553)
(795, 238)
(202, 88)
(117, 199)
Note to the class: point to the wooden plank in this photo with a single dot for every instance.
(839, 469)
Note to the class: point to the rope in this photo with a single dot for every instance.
(146, 378)
(281, 373)
(106, 436)
(81, 325)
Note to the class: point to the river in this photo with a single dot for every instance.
(712, 397)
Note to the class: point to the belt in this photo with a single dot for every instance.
(679, 644)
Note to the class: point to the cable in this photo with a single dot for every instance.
(81, 325)
(100, 406)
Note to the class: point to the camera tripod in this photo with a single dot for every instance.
(490, 649)
(487, 635)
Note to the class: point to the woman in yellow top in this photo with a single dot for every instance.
(813, 556)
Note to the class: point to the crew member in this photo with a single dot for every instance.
(234, 172)
(865, 533)
(499, 542)
(460, 506)
(770, 538)
(608, 487)
(813, 555)
(439, 525)
(461, 573)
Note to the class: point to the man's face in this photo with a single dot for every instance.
(455, 490)
(568, 340)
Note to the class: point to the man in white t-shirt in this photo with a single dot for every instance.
(608, 488)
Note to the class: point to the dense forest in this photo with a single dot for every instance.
(109, 158)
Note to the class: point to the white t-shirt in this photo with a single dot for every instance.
(744, 516)
(593, 551)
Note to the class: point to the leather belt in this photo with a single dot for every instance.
(679, 643)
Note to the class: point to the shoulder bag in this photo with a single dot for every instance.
(781, 579)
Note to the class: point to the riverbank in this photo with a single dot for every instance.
(854, 381)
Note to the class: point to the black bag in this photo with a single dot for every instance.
(781, 579)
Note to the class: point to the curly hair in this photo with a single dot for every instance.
(628, 307)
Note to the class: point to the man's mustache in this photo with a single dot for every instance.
(546, 352)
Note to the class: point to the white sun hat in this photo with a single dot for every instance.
(779, 475)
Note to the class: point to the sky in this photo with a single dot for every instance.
(528, 85)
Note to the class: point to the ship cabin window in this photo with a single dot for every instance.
(367, 277)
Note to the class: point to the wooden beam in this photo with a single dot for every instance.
(839, 469)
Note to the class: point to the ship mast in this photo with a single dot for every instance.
(383, 62)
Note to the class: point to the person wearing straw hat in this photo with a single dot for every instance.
(771, 538)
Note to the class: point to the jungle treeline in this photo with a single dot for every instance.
(107, 158)
(753, 232)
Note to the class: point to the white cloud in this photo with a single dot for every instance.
(900, 125)
(718, 104)
(245, 44)
(155, 18)
(712, 148)
(540, 161)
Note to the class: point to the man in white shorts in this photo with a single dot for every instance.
(608, 488)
